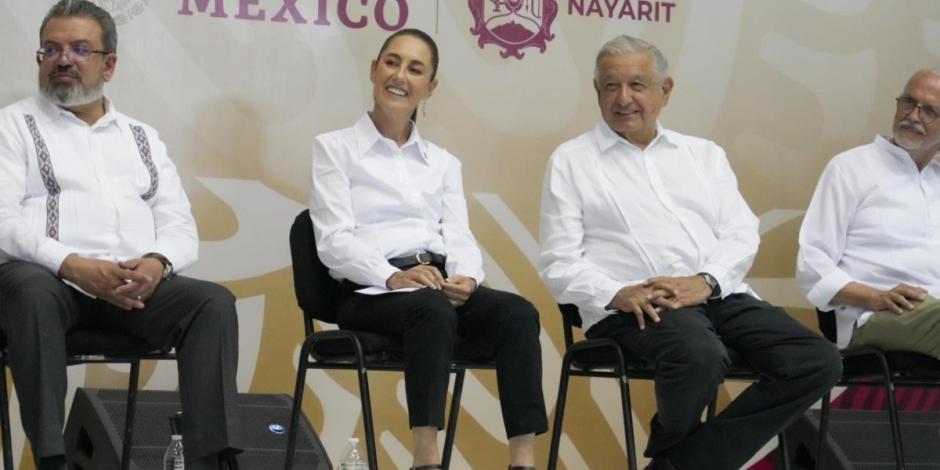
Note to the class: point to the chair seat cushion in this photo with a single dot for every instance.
(109, 343)
(903, 364)
(86, 341)
(604, 358)
(379, 347)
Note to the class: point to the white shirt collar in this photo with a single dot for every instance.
(607, 138)
(53, 112)
(367, 136)
(889, 147)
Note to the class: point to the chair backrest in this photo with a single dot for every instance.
(827, 324)
(570, 317)
(317, 293)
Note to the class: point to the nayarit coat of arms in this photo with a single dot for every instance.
(513, 24)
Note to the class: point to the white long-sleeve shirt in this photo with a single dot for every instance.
(106, 191)
(372, 200)
(874, 219)
(615, 215)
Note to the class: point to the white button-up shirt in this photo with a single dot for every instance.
(615, 215)
(105, 191)
(372, 200)
(874, 219)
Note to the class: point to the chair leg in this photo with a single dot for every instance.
(5, 416)
(296, 409)
(627, 410)
(712, 407)
(783, 450)
(895, 426)
(559, 412)
(823, 432)
(892, 411)
(452, 418)
(366, 401)
(129, 415)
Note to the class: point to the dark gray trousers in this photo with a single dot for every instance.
(689, 348)
(428, 325)
(197, 317)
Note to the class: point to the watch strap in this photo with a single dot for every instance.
(167, 265)
(712, 284)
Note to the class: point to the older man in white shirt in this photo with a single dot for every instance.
(644, 230)
(93, 225)
(870, 241)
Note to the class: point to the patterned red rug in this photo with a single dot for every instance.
(874, 398)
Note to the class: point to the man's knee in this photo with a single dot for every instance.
(32, 300)
(31, 284)
(701, 356)
(432, 310)
(521, 317)
(826, 361)
(220, 303)
(219, 295)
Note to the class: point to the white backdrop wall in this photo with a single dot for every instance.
(238, 89)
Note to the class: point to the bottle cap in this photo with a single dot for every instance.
(176, 423)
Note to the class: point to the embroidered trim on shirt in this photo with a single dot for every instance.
(48, 178)
(143, 147)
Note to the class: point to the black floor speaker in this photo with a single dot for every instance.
(861, 440)
(95, 429)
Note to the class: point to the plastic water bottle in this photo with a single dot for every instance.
(352, 460)
(173, 457)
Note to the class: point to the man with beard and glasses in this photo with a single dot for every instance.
(94, 223)
(870, 241)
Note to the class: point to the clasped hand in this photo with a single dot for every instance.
(659, 294)
(125, 284)
(457, 289)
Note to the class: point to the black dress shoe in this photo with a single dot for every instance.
(228, 461)
(52, 463)
(660, 463)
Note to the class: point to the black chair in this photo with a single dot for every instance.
(91, 346)
(874, 367)
(318, 294)
(605, 358)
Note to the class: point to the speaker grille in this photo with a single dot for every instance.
(257, 413)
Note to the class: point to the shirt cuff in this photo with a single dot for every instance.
(381, 275)
(822, 293)
(180, 257)
(721, 275)
(476, 276)
(455, 268)
(605, 295)
(51, 254)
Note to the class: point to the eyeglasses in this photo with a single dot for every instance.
(906, 104)
(74, 54)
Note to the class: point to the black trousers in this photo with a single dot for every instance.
(688, 348)
(428, 325)
(197, 317)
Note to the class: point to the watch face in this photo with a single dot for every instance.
(423, 257)
(711, 282)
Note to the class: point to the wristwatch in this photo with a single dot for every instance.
(167, 265)
(712, 284)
